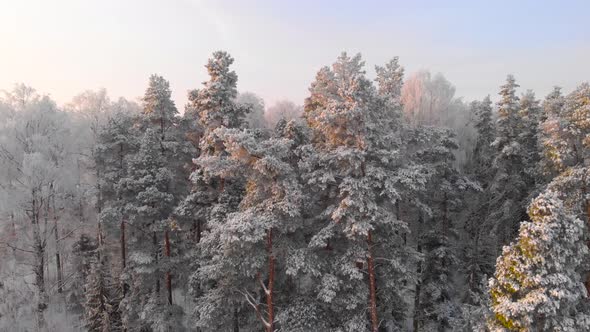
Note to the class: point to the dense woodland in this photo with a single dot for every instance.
(384, 203)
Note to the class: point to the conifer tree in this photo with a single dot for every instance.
(160, 114)
(248, 249)
(158, 107)
(116, 144)
(212, 107)
(509, 186)
(483, 153)
(436, 307)
(84, 250)
(213, 196)
(478, 248)
(538, 284)
(148, 206)
(529, 115)
(550, 133)
(567, 141)
(353, 164)
(102, 299)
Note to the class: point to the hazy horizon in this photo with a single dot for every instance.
(64, 47)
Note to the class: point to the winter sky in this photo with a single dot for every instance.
(63, 47)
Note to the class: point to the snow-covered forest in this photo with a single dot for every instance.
(381, 202)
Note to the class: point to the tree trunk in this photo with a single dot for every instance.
(162, 134)
(168, 274)
(398, 215)
(57, 254)
(13, 225)
(587, 283)
(271, 281)
(473, 282)
(155, 243)
(416, 315)
(236, 320)
(123, 245)
(39, 265)
(372, 285)
(445, 222)
(416, 318)
(99, 236)
(40, 283)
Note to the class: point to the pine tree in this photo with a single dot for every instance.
(390, 80)
(353, 166)
(567, 142)
(248, 249)
(158, 107)
(538, 284)
(212, 107)
(148, 206)
(160, 114)
(213, 197)
(116, 143)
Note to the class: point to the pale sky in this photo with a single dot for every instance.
(63, 47)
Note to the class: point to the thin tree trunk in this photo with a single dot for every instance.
(398, 215)
(155, 243)
(372, 285)
(40, 283)
(39, 265)
(123, 245)
(13, 225)
(162, 134)
(57, 254)
(168, 274)
(416, 315)
(584, 192)
(236, 320)
(445, 222)
(99, 236)
(472, 280)
(587, 283)
(271, 281)
(45, 228)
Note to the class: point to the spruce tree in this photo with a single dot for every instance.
(477, 246)
(509, 186)
(549, 142)
(530, 115)
(483, 153)
(83, 250)
(102, 297)
(437, 205)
